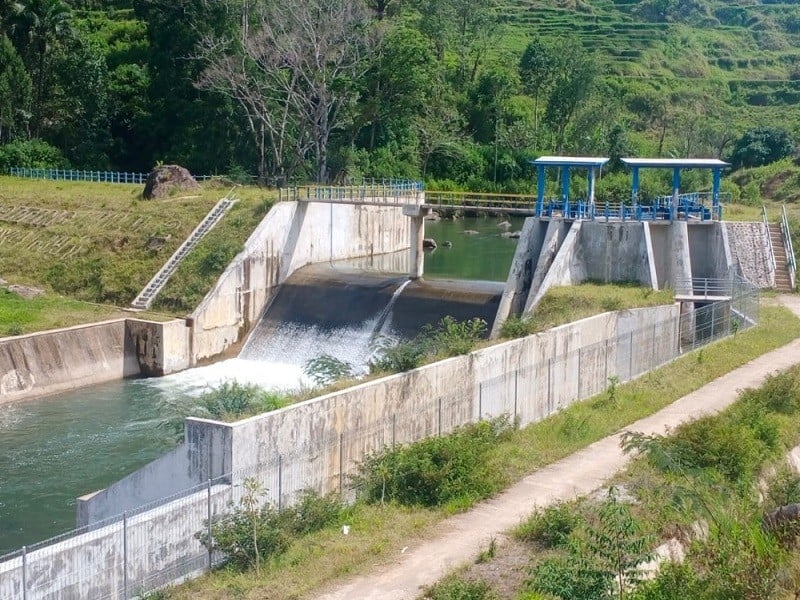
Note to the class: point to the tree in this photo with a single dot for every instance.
(292, 72)
(38, 27)
(537, 71)
(572, 85)
(761, 146)
(15, 93)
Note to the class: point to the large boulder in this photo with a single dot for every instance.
(165, 180)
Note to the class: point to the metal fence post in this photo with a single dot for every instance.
(208, 531)
(516, 393)
(630, 358)
(341, 464)
(713, 318)
(280, 482)
(24, 573)
(125, 555)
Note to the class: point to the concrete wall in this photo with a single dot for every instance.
(64, 359)
(520, 274)
(292, 235)
(709, 251)
(527, 378)
(614, 252)
(316, 444)
(749, 243)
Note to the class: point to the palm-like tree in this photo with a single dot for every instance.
(37, 26)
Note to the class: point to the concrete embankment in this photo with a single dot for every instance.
(63, 359)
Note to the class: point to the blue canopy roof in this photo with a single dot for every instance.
(585, 162)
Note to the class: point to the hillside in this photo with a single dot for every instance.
(435, 90)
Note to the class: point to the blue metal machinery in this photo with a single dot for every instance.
(565, 163)
(668, 207)
(686, 204)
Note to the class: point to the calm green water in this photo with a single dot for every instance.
(485, 256)
(57, 448)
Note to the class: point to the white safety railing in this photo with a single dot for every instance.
(787, 241)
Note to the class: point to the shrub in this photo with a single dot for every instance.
(454, 338)
(434, 471)
(550, 527)
(325, 369)
(254, 531)
(517, 327)
(456, 588)
(233, 399)
(31, 154)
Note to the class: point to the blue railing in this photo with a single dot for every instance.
(689, 206)
(84, 175)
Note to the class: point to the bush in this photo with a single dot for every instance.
(325, 369)
(434, 471)
(517, 327)
(234, 399)
(254, 532)
(455, 588)
(31, 154)
(550, 527)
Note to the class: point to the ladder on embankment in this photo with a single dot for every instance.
(157, 283)
(783, 277)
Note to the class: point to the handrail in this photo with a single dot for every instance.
(769, 238)
(787, 240)
(704, 286)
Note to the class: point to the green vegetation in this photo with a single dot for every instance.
(714, 484)
(447, 471)
(378, 530)
(19, 315)
(446, 338)
(562, 305)
(458, 93)
(101, 243)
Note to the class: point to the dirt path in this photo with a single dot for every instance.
(463, 536)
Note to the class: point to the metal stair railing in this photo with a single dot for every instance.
(769, 238)
(704, 287)
(159, 280)
(787, 242)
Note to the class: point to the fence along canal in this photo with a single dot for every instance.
(139, 551)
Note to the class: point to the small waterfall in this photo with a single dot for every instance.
(384, 322)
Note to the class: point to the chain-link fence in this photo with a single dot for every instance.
(160, 543)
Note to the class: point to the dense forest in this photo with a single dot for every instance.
(458, 92)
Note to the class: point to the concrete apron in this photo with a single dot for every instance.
(464, 535)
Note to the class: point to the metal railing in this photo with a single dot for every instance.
(481, 201)
(145, 549)
(769, 238)
(704, 287)
(389, 192)
(90, 176)
(787, 240)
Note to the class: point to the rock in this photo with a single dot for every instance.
(433, 216)
(448, 244)
(3, 281)
(429, 244)
(504, 224)
(26, 291)
(514, 235)
(471, 232)
(165, 180)
(156, 242)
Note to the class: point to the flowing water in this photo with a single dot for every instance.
(57, 448)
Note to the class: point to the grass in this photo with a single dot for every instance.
(562, 305)
(19, 316)
(102, 243)
(378, 533)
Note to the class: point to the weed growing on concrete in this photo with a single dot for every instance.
(326, 369)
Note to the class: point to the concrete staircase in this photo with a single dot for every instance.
(782, 278)
(157, 283)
